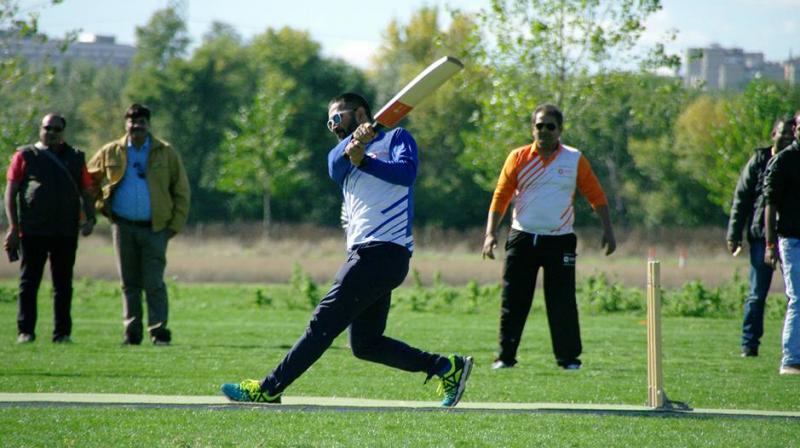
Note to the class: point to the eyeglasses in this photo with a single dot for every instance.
(549, 126)
(336, 118)
(139, 170)
(52, 128)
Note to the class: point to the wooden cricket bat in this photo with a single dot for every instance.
(416, 91)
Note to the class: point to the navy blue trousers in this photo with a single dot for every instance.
(359, 298)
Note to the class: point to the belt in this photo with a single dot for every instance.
(120, 220)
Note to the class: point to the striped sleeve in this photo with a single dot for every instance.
(506, 184)
(588, 184)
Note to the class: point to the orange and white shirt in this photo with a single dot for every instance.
(544, 189)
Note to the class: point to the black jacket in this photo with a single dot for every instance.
(782, 190)
(49, 198)
(748, 198)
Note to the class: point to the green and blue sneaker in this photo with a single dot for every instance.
(453, 383)
(248, 391)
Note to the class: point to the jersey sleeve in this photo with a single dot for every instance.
(506, 184)
(588, 184)
(401, 169)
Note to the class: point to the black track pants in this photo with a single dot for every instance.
(525, 254)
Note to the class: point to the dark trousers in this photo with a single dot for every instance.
(525, 254)
(35, 252)
(760, 280)
(359, 298)
(141, 260)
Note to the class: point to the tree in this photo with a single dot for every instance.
(565, 52)
(717, 135)
(259, 157)
(292, 54)
(445, 192)
(193, 100)
(163, 40)
(21, 85)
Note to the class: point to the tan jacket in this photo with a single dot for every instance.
(166, 180)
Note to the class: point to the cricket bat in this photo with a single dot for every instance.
(416, 91)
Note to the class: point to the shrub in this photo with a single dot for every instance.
(598, 295)
(304, 287)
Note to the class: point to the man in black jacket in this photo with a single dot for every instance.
(47, 181)
(782, 233)
(748, 210)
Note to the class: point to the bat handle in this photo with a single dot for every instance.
(377, 126)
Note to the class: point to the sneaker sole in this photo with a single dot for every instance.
(232, 399)
(462, 383)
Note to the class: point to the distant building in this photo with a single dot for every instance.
(97, 49)
(791, 71)
(717, 68)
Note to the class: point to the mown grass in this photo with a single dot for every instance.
(226, 332)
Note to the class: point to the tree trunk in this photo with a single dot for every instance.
(266, 219)
(617, 201)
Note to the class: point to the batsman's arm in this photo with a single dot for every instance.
(401, 168)
(338, 165)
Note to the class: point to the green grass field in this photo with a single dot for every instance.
(225, 333)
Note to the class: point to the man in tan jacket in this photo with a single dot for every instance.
(144, 191)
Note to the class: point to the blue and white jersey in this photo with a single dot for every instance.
(379, 195)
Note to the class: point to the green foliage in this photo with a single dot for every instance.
(304, 287)
(568, 52)
(21, 87)
(8, 293)
(263, 299)
(258, 157)
(716, 135)
(598, 295)
(695, 299)
(446, 193)
(439, 297)
(248, 116)
(163, 40)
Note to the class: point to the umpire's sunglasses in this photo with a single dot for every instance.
(336, 118)
(549, 126)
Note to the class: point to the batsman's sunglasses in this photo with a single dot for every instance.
(53, 128)
(549, 126)
(336, 118)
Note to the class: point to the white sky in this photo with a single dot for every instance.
(352, 29)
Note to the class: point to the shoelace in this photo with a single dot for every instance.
(447, 385)
(253, 389)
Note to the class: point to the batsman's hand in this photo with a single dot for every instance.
(364, 133)
(355, 151)
(489, 245)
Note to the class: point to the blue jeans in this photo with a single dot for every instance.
(790, 263)
(760, 280)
